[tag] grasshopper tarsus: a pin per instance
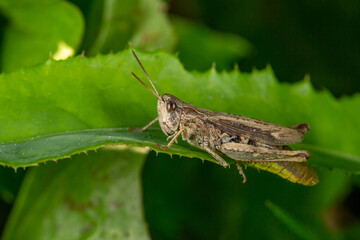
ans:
(132, 129)
(161, 147)
(241, 171)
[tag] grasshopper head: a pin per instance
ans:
(169, 110)
(169, 107)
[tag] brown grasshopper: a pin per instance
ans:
(253, 142)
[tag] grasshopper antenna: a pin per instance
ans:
(157, 95)
(156, 92)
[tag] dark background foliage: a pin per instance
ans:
(296, 37)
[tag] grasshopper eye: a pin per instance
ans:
(171, 106)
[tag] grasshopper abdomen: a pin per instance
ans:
(296, 172)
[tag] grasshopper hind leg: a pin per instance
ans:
(239, 167)
(221, 161)
(302, 127)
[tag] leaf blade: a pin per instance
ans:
(99, 92)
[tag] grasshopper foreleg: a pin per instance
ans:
(172, 140)
(144, 128)
(171, 136)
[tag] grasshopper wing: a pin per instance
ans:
(260, 131)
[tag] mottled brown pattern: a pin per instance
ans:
(257, 143)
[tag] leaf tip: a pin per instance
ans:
(213, 67)
(236, 67)
(268, 67)
(307, 78)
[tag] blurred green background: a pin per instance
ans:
(296, 37)
(188, 199)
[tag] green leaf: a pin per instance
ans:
(38, 29)
(81, 93)
(199, 47)
(90, 197)
(47, 147)
(112, 25)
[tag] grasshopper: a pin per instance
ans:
(260, 144)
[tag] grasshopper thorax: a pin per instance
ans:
(170, 109)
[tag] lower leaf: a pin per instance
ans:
(96, 196)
